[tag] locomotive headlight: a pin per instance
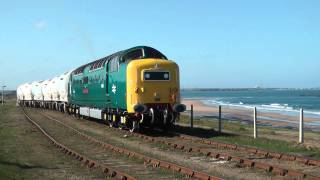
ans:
(147, 75)
(166, 76)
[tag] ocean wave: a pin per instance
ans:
(278, 106)
(273, 107)
(194, 98)
(313, 112)
(226, 103)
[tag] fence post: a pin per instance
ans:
(219, 119)
(191, 117)
(301, 133)
(255, 133)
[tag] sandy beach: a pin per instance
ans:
(246, 115)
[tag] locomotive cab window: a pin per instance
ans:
(135, 54)
(85, 80)
(152, 53)
(156, 76)
(114, 64)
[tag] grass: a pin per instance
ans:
(26, 154)
(10, 166)
(21, 156)
(240, 134)
(270, 145)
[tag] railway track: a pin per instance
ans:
(110, 172)
(247, 162)
(274, 155)
(259, 156)
(103, 154)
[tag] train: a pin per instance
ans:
(133, 88)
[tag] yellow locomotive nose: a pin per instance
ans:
(152, 81)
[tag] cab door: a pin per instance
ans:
(112, 79)
(108, 99)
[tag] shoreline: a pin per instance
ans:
(245, 115)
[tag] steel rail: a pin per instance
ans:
(243, 161)
(282, 156)
(147, 160)
(110, 172)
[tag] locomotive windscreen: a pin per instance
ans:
(143, 53)
(158, 76)
(153, 53)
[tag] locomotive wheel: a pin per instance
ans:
(152, 115)
(135, 126)
(168, 120)
(109, 120)
(115, 120)
(165, 117)
(168, 117)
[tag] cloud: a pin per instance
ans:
(40, 24)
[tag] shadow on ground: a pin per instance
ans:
(172, 132)
(177, 129)
(200, 132)
(23, 166)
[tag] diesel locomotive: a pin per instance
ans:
(133, 88)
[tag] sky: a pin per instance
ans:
(217, 44)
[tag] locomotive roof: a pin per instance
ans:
(100, 62)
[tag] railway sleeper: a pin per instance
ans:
(86, 161)
(245, 162)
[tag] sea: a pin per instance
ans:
(283, 101)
